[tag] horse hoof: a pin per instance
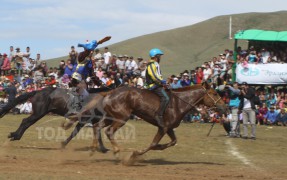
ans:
(130, 159)
(102, 150)
(12, 139)
(63, 145)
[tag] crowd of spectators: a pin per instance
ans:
(28, 74)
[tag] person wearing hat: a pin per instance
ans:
(175, 83)
(185, 81)
(155, 83)
(247, 107)
(120, 63)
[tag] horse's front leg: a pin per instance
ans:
(160, 133)
(173, 141)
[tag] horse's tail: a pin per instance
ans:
(20, 99)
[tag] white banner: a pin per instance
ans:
(262, 73)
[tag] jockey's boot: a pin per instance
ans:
(159, 120)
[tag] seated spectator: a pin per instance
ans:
(50, 81)
(270, 117)
(175, 84)
(38, 75)
(26, 108)
(196, 117)
(282, 117)
(185, 81)
(262, 111)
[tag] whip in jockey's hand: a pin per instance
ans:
(90, 46)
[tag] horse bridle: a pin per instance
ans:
(194, 104)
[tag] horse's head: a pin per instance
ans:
(213, 99)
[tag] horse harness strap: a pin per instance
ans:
(194, 104)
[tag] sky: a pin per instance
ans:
(51, 27)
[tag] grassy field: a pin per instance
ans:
(37, 154)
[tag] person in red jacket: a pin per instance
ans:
(50, 81)
(6, 66)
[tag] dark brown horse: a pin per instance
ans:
(121, 102)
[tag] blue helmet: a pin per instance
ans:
(154, 52)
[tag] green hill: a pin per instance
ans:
(190, 46)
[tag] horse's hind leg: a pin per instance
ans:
(26, 123)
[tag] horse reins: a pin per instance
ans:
(194, 104)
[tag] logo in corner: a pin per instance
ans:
(250, 71)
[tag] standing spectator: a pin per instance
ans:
(265, 55)
(207, 73)
(62, 67)
(38, 59)
(199, 75)
(127, 64)
(6, 66)
(234, 104)
(26, 59)
(223, 64)
(73, 54)
(247, 107)
(107, 56)
(12, 56)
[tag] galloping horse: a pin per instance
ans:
(121, 102)
(53, 100)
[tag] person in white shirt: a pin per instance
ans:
(120, 62)
(26, 108)
(107, 56)
(98, 55)
(133, 65)
(265, 55)
(26, 59)
(223, 64)
(207, 73)
(127, 63)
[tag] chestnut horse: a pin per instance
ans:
(120, 103)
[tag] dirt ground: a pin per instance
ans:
(37, 154)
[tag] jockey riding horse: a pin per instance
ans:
(83, 70)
